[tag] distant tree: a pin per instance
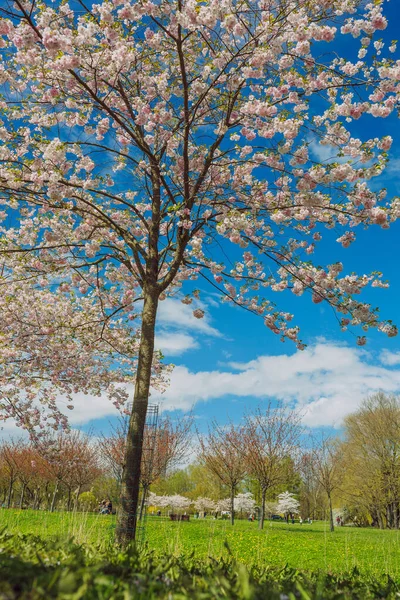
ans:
(59, 453)
(311, 492)
(164, 447)
(9, 466)
(271, 437)
(86, 467)
(222, 452)
(176, 502)
(372, 454)
(328, 466)
(224, 505)
(244, 502)
(204, 504)
(204, 482)
(28, 465)
(287, 504)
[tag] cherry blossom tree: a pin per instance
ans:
(244, 502)
(176, 502)
(287, 504)
(204, 504)
(225, 504)
(54, 346)
(136, 134)
(153, 499)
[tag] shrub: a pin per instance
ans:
(88, 501)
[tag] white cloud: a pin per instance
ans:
(326, 153)
(175, 343)
(87, 407)
(390, 358)
(326, 381)
(393, 168)
(178, 315)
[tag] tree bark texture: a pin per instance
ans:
(127, 514)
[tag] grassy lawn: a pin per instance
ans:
(305, 547)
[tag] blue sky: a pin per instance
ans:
(229, 361)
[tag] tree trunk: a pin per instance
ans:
(21, 500)
(35, 498)
(53, 500)
(127, 514)
(78, 493)
(262, 513)
(388, 516)
(143, 502)
(331, 525)
(233, 505)
(395, 515)
(10, 491)
(69, 500)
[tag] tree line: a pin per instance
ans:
(268, 452)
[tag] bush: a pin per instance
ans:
(33, 569)
(88, 501)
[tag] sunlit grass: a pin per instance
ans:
(306, 547)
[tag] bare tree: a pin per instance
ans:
(271, 438)
(9, 464)
(112, 449)
(163, 448)
(59, 453)
(328, 466)
(84, 462)
(222, 452)
(25, 459)
(310, 488)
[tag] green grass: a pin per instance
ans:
(34, 568)
(307, 547)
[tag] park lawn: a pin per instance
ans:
(305, 547)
